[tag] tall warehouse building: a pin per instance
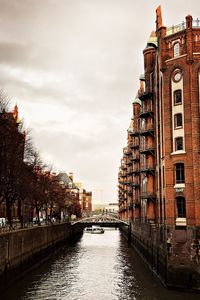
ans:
(159, 175)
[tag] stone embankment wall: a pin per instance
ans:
(23, 249)
(168, 269)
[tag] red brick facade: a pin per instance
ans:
(159, 176)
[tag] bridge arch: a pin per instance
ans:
(104, 220)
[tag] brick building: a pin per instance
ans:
(72, 194)
(12, 142)
(159, 175)
(85, 199)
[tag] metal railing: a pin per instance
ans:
(146, 110)
(134, 144)
(176, 28)
(147, 166)
(17, 225)
(147, 147)
(196, 23)
(147, 128)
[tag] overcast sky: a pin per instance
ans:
(72, 66)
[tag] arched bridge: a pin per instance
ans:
(103, 220)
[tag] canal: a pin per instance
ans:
(100, 267)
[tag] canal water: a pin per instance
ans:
(96, 267)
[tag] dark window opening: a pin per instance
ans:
(180, 178)
(177, 97)
(179, 143)
(178, 120)
(181, 209)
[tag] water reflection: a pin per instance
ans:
(100, 267)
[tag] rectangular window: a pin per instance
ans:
(180, 178)
(178, 121)
(179, 143)
(177, 97)
(181, 210)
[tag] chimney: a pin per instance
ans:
(158, 17)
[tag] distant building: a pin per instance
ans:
(85, 199)
(112, 208)
(71, 192)
(98, 207)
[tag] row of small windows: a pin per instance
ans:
(180, 201)
(178, 120)
(179, 179)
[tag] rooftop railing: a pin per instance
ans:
(196, 23)
(176, 28)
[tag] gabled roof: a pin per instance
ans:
(64, 179)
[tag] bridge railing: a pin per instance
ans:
(99, 220)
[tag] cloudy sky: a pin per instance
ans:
(72, 66)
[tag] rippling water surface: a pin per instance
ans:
(97, 267)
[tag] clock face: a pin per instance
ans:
(177, 76)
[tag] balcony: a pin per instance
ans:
(130, 193)
(146, 95)
(128, 162)
(127, 152)
(147, 130)
(120, 182)
(134, 145)
(148, 168)
(133, 132)
(135, 185)
(135, 158)
(131, 206)
(130, 171)
(123, 175)
(147, 148)
(146, 112)
(126, 182)
(136, 170)
(130, 181)
(136, 202)
(123, 167)
(149, 196)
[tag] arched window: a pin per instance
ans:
(179, 173)
(181, 209)
(176, 49)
